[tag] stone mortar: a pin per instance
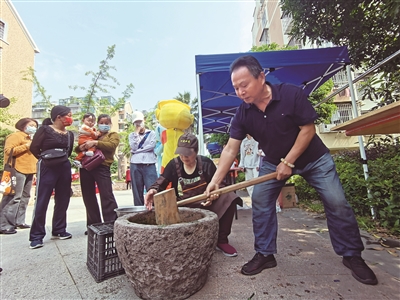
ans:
(167, 262)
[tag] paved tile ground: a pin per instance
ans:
(307, 266)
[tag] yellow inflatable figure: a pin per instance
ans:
(175, 116)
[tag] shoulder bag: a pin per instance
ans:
(56, 156)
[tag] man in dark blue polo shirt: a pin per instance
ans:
(281, 119)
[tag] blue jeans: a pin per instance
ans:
(142, 175)
(322, 175)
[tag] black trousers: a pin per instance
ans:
(102, 176)
(59, 179)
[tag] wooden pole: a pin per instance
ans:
(229, 188)
(166, 210)
(166, 206)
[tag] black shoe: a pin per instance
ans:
(61, 236)
(360, 270)
(258, 263)
(8, 231)
(36, 244)
(23, 226)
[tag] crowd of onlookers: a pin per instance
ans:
(45, 151)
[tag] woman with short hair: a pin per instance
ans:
(13, 207)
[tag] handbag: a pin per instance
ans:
(8, 178)
(56, 156)
(91, 162)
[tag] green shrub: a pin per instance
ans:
(383, 156)
(3, 134)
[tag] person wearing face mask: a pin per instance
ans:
(13, 207)
(49, 177)
(107, 143)
(143, 159)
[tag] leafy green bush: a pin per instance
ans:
(3, 134)
(304, 191)
(383, 183)
(114, 167)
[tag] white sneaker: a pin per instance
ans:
(89, 153)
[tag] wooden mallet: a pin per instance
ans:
(166, 206)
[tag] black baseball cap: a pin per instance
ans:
(187, 144)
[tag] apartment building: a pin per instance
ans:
(17, 53)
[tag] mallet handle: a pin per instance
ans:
(229, 188)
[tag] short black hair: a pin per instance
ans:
(87, 115)
(248, 61)
(102, 116)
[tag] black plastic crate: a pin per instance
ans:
(102, 256)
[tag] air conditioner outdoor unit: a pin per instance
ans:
(325, 128)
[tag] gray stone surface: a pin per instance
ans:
(166, 262)
(307, 266)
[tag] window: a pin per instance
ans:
(340, 78)
(343, 114)
(2, 30)
(294, 42)
(264, 39)
(264, 19)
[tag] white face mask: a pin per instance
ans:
(30, 129)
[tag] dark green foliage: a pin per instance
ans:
(220, 138)
(3, 134)
(303, 190)
(114, 167)
(370, 28)
(241, 177)
(384, 182)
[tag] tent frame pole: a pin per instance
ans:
(360, 139)
(200, 121)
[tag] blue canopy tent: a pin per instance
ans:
(214, 148)
(217, 99)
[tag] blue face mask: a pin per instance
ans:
(30, 129)
(104, 128)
